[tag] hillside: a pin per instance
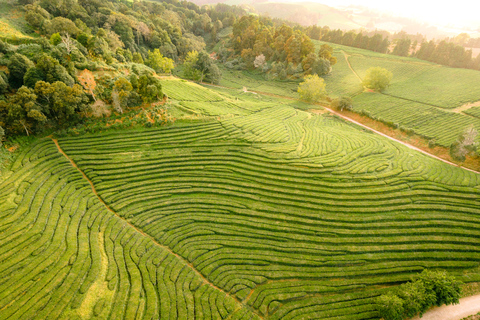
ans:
(127, 192)
(434, 101)
(258, 211)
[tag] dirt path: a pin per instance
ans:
(360, 124)
(468, 306)
(205, 280)
(399, 141)
(466, 107)
(350, 66)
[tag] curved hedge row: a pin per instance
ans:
(297, 216)
(63, 255)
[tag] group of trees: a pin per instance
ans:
(377, 42)
(448, 54)
(430, 288)
(200, 67)
(89, 33)
(281, 51)
(464, 145)
(29, 110)
(173, 27)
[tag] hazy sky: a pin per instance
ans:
(464, 13)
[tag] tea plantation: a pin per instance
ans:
(267, 213)
(422, 96)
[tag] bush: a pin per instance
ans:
(377, 78)
(342, 103)
(312, 89)
(428, 289)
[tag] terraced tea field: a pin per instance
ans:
(422, 95)
(274, 213)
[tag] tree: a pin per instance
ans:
(402, 47)
(326, 52)
(416, 297)
(426, 290)
(259, 61)
(446, 288)
(60, 101)
(321, 67)
(200, 67)
(2, 135)
(68, 42)
(312, 89)
(390, 306)
(149, 88)
(55, 39)
(377, 79)
(342, 103)
(3, 82)
(32, 76)
(87, 80)
(61, 24)
(51, 70)
(189, 70)
(137, 58)
(17, 67)
(158, 62)
(123, 88)
(21, 112)
(464, 144)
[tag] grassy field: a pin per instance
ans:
(422, 96)
(12, 23)
(258, 211)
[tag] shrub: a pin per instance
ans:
(342, 103)
(312, 89)
(377, 78)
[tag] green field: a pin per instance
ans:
(259, 211)
(422, 96)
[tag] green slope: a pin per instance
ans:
(264, 211)
(422, 96)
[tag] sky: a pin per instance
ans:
(459, 13)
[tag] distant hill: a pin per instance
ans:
(345, 18)
(308, 13)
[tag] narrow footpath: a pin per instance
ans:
(468, 306)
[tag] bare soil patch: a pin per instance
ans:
(466, 107)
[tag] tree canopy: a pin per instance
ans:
(312, 89)
(430, 288)
(377, 79)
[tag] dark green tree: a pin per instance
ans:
(20, 113)
(390, 306)
(3, 82)
(51, 70)
(342, 103)
(446, 288)
(17, 67)
(149, 88)
(61, 102)
(417, 299)
(2, 135)
(32, 76)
